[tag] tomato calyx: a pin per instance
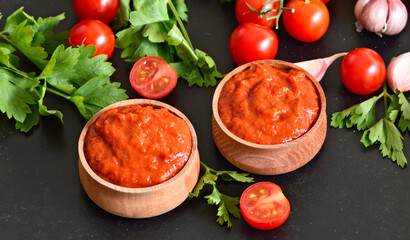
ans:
(267, 8)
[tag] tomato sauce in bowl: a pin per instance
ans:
(137, 146)
(267, 105)
(278, 114)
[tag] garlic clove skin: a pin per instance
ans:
(374, 16)
(381, 16)
(398, 73)
(397, 17)
(318, 67)
(358, 9)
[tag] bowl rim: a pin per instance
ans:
(283, 65)
(150, 189)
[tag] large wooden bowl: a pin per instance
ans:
(140, 202)
(269, 159)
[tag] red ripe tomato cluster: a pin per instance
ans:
(254, 39)
(93, 28)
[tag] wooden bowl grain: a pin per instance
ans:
(269, 159)
(140, 202)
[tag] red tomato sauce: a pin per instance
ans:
(137, 146)
(267, 105)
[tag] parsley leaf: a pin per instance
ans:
(226, 205)
(157, 29)
(384, 132)
(7, 58)
(95, 94)
(15, 99)
(360, 115)
(404, 122)
(35, 39)
(124, 10)
(72, 73)
(390, 139)
(71, 68)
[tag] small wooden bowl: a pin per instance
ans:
(269, 159)
(140, 202)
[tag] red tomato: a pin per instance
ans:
(103, 10)
(264, 206)
(152, 77)
(93, 32)
(363, 71)
(325, 1)
(250, 42)
(265, 10)
(308, 22)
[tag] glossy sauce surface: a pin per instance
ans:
(267, 105)
(137, 146)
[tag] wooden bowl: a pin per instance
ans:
(269, 159)
(140, 202)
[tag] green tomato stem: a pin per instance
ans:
(280, 11)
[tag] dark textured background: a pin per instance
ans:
(345, 192)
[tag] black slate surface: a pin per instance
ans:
(345, 192)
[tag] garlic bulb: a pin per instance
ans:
(398, 73)
(387, 17)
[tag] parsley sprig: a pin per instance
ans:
(156, 28)
(385, 131)
(71, 73)
(226, 205)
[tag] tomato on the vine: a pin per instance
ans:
(250, 42)
(308, 22)
(152, 77)
(264, 206)
(93, 32)
(363, 71)
(257, 11)
(103, 10)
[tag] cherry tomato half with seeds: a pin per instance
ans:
(103, 10)
(308, 22)
(363, 71)
(152, 77)
(93, 32)
(264, 206)
(250, 42)
(262, 12)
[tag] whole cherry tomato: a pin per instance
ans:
(93, 32)
(308, 22)
(250, 42)
(257, 11)
(363, 71)
(264, 206)
(103, 10)
(152, 77)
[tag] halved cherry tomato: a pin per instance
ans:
(308, 22)
(93, 32)
(103, 10)
(265, 10)
(152, 77)
(264, 206)
(363, 71)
